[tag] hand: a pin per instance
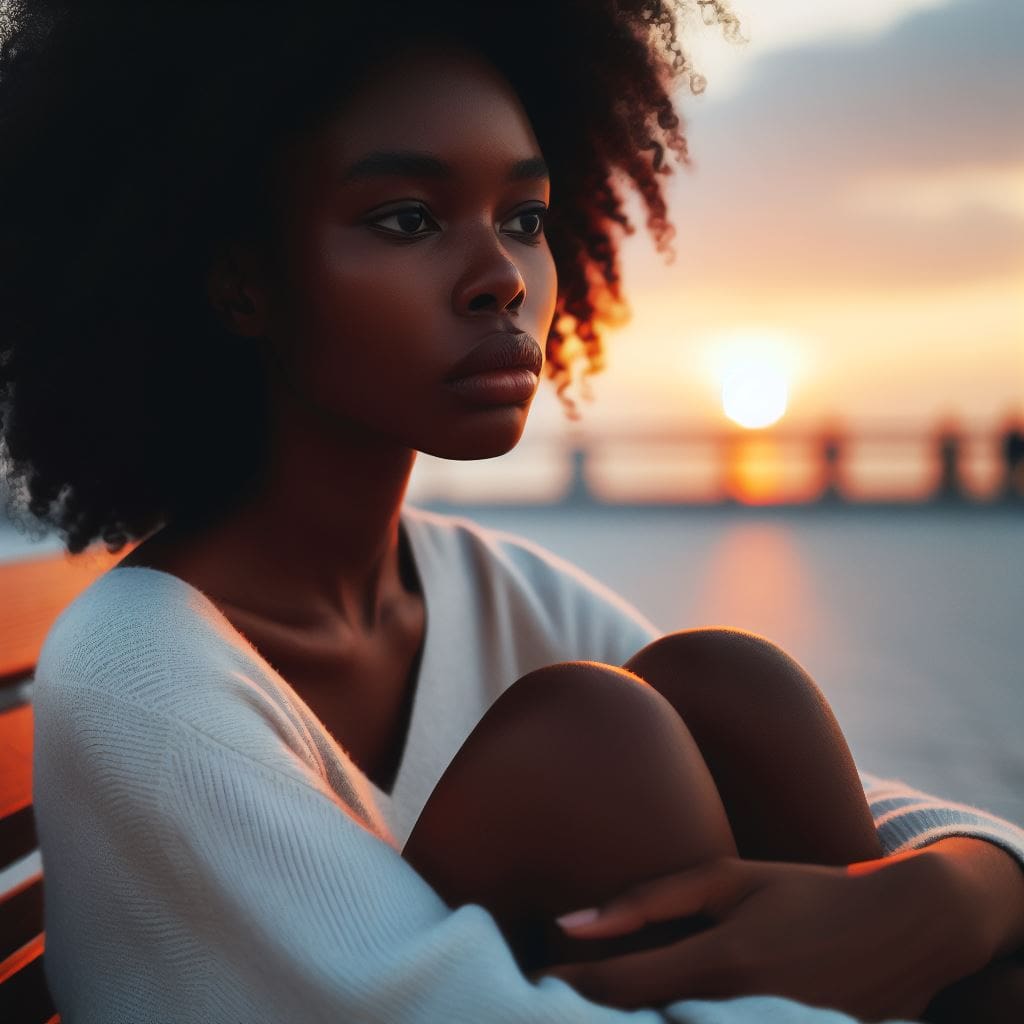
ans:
(870, 940)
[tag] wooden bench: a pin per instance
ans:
(33, 592)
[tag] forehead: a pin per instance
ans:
(431, 96)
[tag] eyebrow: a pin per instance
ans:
(408, 164)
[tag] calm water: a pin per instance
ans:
(909, 621)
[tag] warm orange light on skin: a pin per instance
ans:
(869, 867)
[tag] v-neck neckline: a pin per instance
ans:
(408, 524)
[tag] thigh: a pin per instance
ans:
(579, 781)
(779, 759)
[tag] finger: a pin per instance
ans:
(708, 889)
(703, 966)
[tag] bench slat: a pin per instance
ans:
(17, 836)
(24, 998)
(34, 591)
(16, 727)
(21, 917)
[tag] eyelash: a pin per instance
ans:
(539, 211)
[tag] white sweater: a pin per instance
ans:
(212, 854)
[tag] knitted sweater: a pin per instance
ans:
(212, 853)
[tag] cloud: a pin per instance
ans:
(809, 174)
(783, 24)
(942, 193)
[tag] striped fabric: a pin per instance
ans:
(908, 819)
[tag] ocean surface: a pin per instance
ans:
(909, 620)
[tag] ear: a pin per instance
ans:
(236, 287)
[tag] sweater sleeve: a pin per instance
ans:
(188, 881)
(908, 819)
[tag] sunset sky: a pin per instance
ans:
(854, 218)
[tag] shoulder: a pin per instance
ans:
(152, 664)
(111, 623)
(144, 636)
(126, 603)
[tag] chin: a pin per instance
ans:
(486, 436)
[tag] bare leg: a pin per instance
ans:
(562, 797)
(778, 757)
(579, 781)
(786, 777)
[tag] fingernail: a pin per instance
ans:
(578, 917)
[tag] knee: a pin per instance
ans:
(579, 780)
(571, 728)
(715, 651)
(779, 758)
(739, 669)
(580, 706)
(596, 736)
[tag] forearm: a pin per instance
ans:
(994, 883)
(982, 856)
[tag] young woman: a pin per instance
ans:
(309, 753)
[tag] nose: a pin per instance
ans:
(492, 282)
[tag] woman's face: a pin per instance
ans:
(387, 281)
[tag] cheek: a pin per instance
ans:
(359, 308)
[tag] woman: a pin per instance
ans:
(308, 753)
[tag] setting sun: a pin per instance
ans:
(754, 392)
(753, 370)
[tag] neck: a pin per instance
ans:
(320, 541)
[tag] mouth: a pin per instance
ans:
(503, 369)
(500, 351)
(497, 387)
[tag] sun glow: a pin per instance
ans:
(754, 394)
(753, 373)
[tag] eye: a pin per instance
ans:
(410, 217)
(535, 217)
(404, 216)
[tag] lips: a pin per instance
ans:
(501, 350)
